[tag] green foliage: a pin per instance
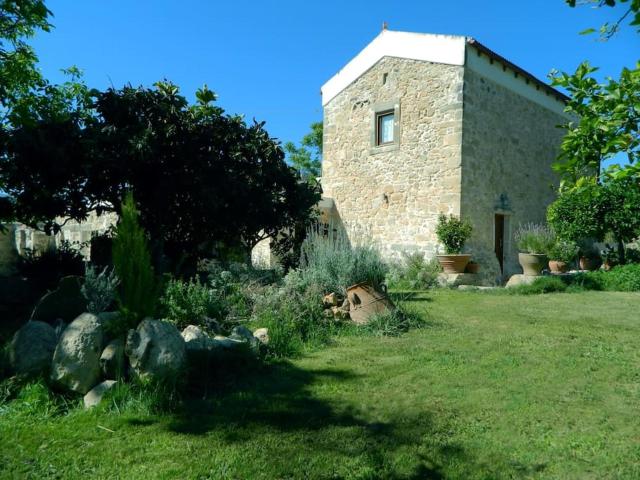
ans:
(393, 323)
(453, 232)
(19, 21)
(545, 284)
(595, 210)
(139, 288)
(49, 266)
(294, 316)
(189, 303)
(331, 263)
(608, 123)
(99, 289)
(564, 251)
(307, 158)
(623, 278)
(577, 213)
(607, 30)
(534, 238)
(414, 272)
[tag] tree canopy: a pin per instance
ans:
(19, 21)
(307, 158)
(199, 175)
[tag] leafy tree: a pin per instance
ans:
(607, 30)
(606, 123)
(592, 210)
(19, 21)
(200, 176)
(307, 158)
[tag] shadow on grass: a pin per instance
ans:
(278, 399)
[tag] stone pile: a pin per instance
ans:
(336, 307)
(82, 357)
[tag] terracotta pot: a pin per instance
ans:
(590, 264)
(472, 267)
(556, 266)
(532, 263)
(454, 263)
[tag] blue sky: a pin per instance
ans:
(268, 59)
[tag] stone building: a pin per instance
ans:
(419, 124)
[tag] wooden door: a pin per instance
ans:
(499, 240)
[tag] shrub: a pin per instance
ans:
(414, 272)
(50, 266)
(632, 255)
(546, 284)
(294, 317)
(623, 278)
(189, 303)
(453, 232)
(392, 323)
(99, 289)
(139, 288)
(563, 251)
(329, 262)
(534, 238)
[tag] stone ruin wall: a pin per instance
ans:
(19, 239)
(393, 194)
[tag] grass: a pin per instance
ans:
(495, 386)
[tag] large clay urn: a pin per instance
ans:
(454, 263)
(532, 263)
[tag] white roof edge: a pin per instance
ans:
(447, 49)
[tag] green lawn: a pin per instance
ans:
(496, 386)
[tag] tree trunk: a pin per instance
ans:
(621, 256)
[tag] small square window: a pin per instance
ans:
(385, 128)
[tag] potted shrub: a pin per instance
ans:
(453, 232)
(610, 257)
(534, 242)
(561, 254)
(589, 256)
(472, 267)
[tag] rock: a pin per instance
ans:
(220, 344)
(339, 313)
(112, 359)
(262, 334)
(331, 300)
(194, 337)
(243, 334)
(76, 360)
(520, 279)
(94, 396)
(32, 347)
(156, 351)
(65, 302)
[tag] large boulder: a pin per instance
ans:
(76, 360)
(32, 347)
(112, 359)
(65, 302)
(156, 351)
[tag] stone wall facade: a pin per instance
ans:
(508, 146)
(393, 194)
